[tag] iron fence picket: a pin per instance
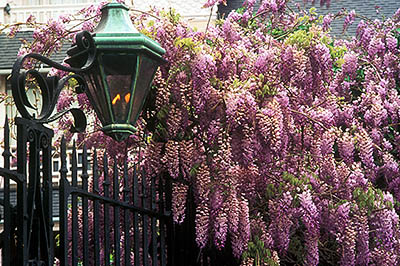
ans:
(6, 250)
(106, 189)
(33, 170)
(63, 208)
(127, 238)
(161, 208)
(74, 207)
(154, 240)
(145, 244)
(22, 210)
(85, 212)
(47, 224)
(96, 211)
(136, 218)
(169, 223)
(117, 234)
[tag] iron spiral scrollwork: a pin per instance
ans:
(51, 86)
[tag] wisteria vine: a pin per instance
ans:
(289, 139)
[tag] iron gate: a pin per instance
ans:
(98, 224)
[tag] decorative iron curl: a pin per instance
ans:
(84, 51)
(44, 141)
(31, 135)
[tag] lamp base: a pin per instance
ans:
(119, 132)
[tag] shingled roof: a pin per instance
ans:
(366, 8)
(9, 48)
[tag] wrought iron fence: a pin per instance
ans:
(115, 216)
(127, 228)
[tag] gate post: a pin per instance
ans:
(34, 196)
(6, 250)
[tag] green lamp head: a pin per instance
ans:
(120, 79)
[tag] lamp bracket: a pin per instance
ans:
(50, 87)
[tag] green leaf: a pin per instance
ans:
(194, 169)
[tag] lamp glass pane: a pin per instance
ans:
(147, 69)
(119, 71)
(97, 96)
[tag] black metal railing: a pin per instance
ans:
(117, 215)
(129, 214)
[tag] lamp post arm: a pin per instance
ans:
(50, 87)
